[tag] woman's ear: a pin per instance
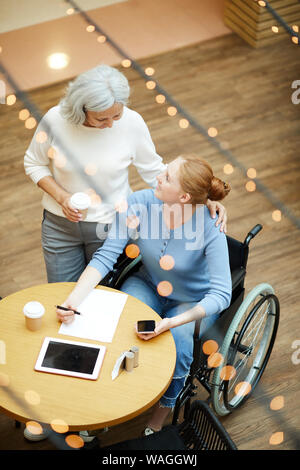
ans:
(185, 197)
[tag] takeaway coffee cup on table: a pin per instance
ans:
(81, 202)
(33, 312)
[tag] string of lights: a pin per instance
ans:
(187, 120)
(291, 30)
(174, 107)
(209, 134)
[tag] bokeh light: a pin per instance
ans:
(276, 438)
(251, 173)
(172, 111)
(150, 85)
(276, 215)
(164, 288)
(11, 99)
(160, 99)
(90, 28)
(126, 63)
(90, 169)
(167, 262)
(95, 199)
(30, 123)
(4, 380)
(59, 426)
(228, 169)
(215, 360)
(212, 132)
(41, 137)
(24, 114)
(210, 346)
(60, 160)
(250, 186)
(149, 71)
(101, 38)
(74, 441)
(34, 427)
(183, 123)
(277, 403)
(242, 389)
(132, 250)
(227, 372)
(51, 152)
(32, 397)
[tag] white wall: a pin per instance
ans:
(15, 14)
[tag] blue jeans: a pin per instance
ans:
(139, 285)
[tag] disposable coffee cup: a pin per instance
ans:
(81, 202)
(33, 312)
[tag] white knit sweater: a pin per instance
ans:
(92, 160)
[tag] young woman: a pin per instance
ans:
(185, 274)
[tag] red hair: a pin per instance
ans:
(197, 179)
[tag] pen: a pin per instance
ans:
(67, 309)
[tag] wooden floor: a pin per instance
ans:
(246, 95)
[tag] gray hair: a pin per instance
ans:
(95, 90)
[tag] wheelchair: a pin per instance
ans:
(230, 358)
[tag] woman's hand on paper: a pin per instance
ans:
(160, 327)
(63, 316)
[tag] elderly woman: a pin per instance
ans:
(86, 144)
(172, 222)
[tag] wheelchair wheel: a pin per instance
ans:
(246, 349)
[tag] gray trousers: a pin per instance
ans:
(69, 246)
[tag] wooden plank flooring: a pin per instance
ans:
(246, 94)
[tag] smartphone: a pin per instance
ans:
(146, 326)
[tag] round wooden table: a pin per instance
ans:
(26, 394)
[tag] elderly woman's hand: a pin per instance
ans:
(215, 207)
(160, 327)
(71, 214)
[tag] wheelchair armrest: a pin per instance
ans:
(253, 232)
(122, 267)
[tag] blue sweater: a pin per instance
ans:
(198, 249)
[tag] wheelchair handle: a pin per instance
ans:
(253, 232)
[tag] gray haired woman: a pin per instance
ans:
(86, 144)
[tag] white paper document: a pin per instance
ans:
(99, 316)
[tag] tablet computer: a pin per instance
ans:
(58, 356)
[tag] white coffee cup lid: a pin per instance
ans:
(33, 309)
(80, 201)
